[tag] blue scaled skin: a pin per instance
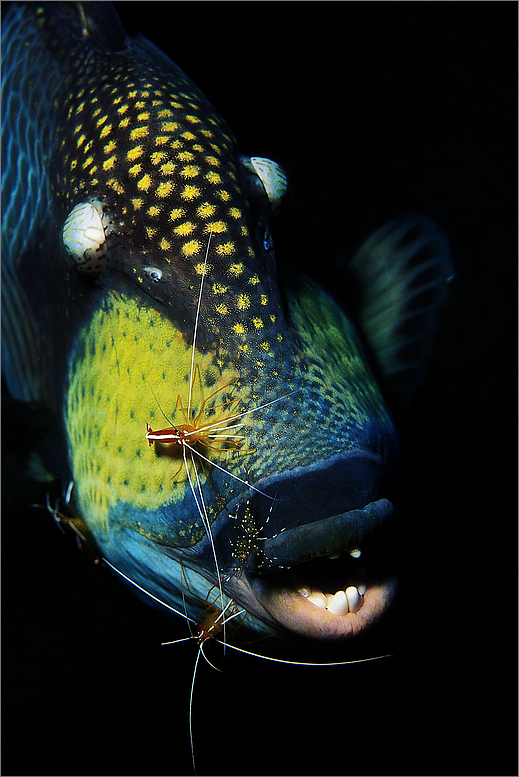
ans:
(215, 413)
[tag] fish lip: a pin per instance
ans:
(275, 595)
(295, 614)
(285, 551)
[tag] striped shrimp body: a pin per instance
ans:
(213, 429)
(213, 628)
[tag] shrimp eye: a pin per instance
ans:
(153, 273)
(83, 239)
(274, 180)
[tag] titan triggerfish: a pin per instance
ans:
(217, 427)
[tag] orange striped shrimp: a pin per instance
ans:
(197, 436)
(209, 630)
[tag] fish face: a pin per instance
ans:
(217, 416)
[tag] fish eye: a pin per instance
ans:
(274, 180)
(153, 273)
(267, 240)
(83, 237)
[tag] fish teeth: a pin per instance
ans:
(339, 603)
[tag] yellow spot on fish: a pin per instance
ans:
(216, 226)
(115, 185)
(135, 170)
(184, 229)
(102, 120)
(213, 161)
(80, 141)
(163, 189)
(190, 171)
(139, 132)
(109, 164)
(235, 213)
(206, 210)
(105, 131)
(219, 288)
(167, 168)
(145, 183)
(134, 153)
(109, 147)
(225, 249)
(190, 192)
(264, 300)
(193, 119)
(258, 323)
(137, 203)
(265, 346)
(143, 116)
(176, 213)
(236, 269)
(153, 211)
(253, 280)
(190, 248)
(151, 231)
(243, 302)
(165, 113)
(169, 126)
(122, 109)
(188, 136)
(158, 156)
(222, 309)
(213, 177)
(124, 123)
(161, 140)
(164, 244)
(225, 196)
(186, 156)
(239, 329)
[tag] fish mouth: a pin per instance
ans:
(336, 595)
(330, 597)
(333, 610)
(328, 579)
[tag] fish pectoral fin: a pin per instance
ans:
(402, 272)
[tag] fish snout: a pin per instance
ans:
(320, 567)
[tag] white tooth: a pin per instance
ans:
(354, 599)
(355, 553)
(339, 604)
(318, 599)
(304, 591)
(334, 555)
(329, 598)
(362, 589)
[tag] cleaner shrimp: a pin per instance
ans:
(209, 630)
(197, 434)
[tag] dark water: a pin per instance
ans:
(375, 110)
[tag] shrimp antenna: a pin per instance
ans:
(195, 331)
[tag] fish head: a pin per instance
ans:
(223, 429)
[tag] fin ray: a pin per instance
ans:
(402, 271)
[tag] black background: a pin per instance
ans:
(374, 110)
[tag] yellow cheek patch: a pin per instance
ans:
(130, 359)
